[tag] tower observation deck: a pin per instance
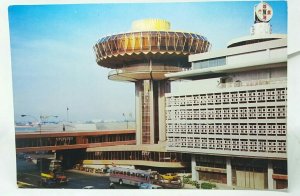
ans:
(144, 55)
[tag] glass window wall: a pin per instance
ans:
(153, 40)
(209, 63)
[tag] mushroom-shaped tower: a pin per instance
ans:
(144, 56)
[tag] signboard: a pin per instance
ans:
(263, 12)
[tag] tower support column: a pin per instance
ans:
(138, 112)
(164, 87)
(152, 111)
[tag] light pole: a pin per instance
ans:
(39, 124)
(38, 121)
(126, 118)
(40, 129)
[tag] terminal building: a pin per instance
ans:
(234, 126)
(226, 119)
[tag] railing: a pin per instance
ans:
(143, 68)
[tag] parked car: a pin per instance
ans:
(48, 183)
(150, 186)
(88, 187)
(21, 155)
(28, 158)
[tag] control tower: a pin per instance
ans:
(143, 56)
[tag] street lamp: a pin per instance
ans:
(38, 121)
(39, 124)
(126, 118)
(40, 128)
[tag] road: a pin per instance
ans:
(29, 173)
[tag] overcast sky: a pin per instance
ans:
(54, 65)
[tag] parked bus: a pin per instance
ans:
(133, 177)
(137, 177)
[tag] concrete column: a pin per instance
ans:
(163, 88)
(151, 97)
(138, 112)
(228, 171)
(195, 174)
(270, 173)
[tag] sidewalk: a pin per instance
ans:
(219, 187)
(188, 186)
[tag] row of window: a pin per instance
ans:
(263, 129)
(250, 145)
(262, 112)
(209, 63)
(251, 96)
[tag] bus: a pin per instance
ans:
(133, 177)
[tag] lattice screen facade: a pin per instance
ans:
(248, 121)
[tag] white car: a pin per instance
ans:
(88, 187)
(150, 186)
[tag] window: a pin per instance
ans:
(209, 63)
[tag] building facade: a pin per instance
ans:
(225, 121)
(235, 125)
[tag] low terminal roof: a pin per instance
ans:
(20, 135)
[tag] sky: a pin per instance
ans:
(54, 66)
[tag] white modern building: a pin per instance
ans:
(229, 110)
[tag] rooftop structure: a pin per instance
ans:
(261, 30)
